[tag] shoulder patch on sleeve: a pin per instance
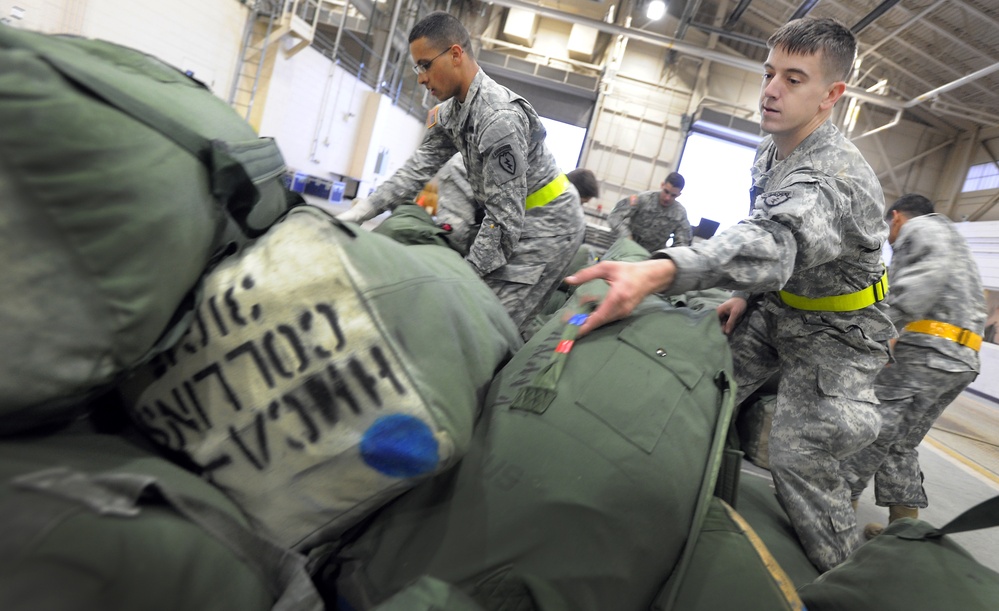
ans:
(775, 198)
(506, 160)
(632, 200)
(432, 116)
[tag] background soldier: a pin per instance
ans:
(532, 224)
(811, 254)
(650, 218)
(938, 304)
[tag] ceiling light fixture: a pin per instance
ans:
(655, 10)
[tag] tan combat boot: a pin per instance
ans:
(895, 512)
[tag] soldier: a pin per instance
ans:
(531, 222)
(650, 218)
(586, 183)
(938, 304)
(808, 268)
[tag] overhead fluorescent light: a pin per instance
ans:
(655, 10)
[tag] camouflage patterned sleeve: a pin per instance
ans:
(793, 228)
(681, 232)
(620, 218)
(503, 145)
(920, 266)
(403, 186)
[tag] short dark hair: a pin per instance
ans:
(585, 182)
(443, 30)
(676, 180)
(910, 204)
(809, 35)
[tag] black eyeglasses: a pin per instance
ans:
(422, 67)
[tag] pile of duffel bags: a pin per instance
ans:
(317, 416)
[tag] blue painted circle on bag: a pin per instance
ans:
(400, 446)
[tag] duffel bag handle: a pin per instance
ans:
(231, 173)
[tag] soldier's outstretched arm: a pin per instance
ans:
(629, 284)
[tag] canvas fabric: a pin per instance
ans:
(122, 179)
(328, 370)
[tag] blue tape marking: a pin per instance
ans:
(578, 319)
(400, 445)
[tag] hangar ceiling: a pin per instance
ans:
(937, 58)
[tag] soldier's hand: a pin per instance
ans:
(360, 211)
(730, 312)
(629, 284)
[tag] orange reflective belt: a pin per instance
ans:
(947, 331)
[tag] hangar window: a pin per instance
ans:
(982, 176)
(715, 163)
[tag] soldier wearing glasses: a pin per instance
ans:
(650, 218)
(531, 219)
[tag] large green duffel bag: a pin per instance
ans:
(912, 565)
(93, 522)
(121, 180)
(329, 369)
(731, 569)
(589, 466)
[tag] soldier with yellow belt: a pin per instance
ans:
(938, 305)
(808, 263)
(532, 222)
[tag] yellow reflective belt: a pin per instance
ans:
(946, 331)
(547, 193)
(840, 303)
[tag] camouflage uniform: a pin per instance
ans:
(454, 205)
(933, 276)
(521, 254)
(643, 219)
(816, 230)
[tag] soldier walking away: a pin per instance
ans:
(810, 279)
(650, 218)
(532, 224)
(937, 303)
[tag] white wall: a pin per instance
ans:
(199, 35)
(312, 107)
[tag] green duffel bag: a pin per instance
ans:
(93, 522)
(590, 464)
(411, 224)
(912, 565)
(121, 179)
(731, 569)
(328, 370)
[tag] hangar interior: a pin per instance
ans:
(331, 82)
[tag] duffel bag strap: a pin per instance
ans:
(982, 515)
(122, 494)
(539, 394)
(233, 167)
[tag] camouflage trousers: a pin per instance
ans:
(825, 411)
(529, 278)
(914, 391)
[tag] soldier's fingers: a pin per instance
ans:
(588, 273)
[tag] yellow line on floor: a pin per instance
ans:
(961, 458)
